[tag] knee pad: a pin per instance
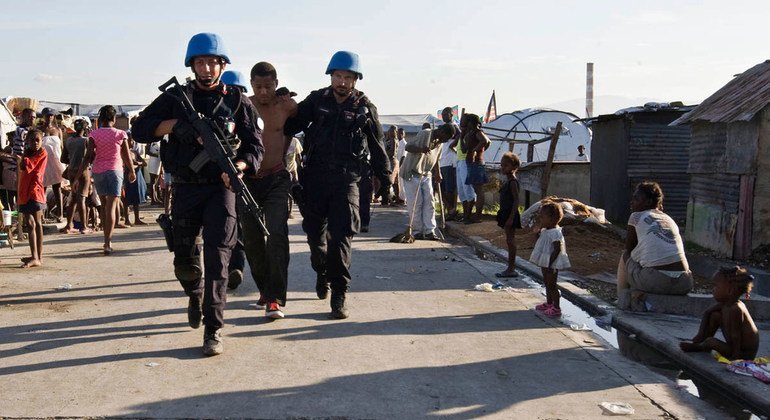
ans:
(188, 270)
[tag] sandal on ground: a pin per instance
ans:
(552, 312)
(107, 250)
(543, 306)
(506, 274)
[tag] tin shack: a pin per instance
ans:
(637, 144)
(729, 166)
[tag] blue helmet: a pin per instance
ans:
(345, 60)
(205, 44)
(235, 78)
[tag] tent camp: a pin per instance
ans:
(411, 123)
(531, 125)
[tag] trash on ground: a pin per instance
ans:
(498, 285)
(152, 364)
(383, 277)
(484, 287)
(580, 327)
(749, 368)
(502, 372)
(596, 255)
(64, 287)
(618, 408)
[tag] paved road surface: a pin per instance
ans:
(419, 343)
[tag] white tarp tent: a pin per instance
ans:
(411, 123)
(7, 123)
(512, 126)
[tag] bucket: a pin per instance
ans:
(6, 217)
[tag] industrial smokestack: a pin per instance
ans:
(589, 90)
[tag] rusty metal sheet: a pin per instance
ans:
(739, 100)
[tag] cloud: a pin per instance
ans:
(45, 78)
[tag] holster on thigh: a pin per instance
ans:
(187, 250)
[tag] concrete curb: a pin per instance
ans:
(748, 391)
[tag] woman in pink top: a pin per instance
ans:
(108, 151)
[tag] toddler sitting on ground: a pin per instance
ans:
(730, 315)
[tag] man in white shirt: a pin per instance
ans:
(422, 154)
(400, 152)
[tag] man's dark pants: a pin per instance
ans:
(269, 260)
(331, 218)
(210, 207)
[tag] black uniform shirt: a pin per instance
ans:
(179, 155)
(332, 131)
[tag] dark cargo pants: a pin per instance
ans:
(210, 207)
(269, 260)
(331, 218)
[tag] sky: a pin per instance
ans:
(417, 56)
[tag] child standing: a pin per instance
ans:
(550, 255)
(136, 191)
(730, 315)
(508, 216)
(32, 193)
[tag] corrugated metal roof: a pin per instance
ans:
(739, 100)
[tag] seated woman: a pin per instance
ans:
(654, 260)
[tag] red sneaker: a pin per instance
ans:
(273, 310)
(543, 306)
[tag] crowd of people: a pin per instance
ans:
(343, 164)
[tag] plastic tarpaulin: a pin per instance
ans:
(538, 122)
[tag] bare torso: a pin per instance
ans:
(274, 116)
(737, 313)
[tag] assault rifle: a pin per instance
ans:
(215, 149)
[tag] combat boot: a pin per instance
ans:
(234, 279)
(322, 287)
(195, 311)
(212, 342)
(339, 311)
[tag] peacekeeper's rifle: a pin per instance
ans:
(215, 149)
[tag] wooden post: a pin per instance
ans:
(549, 162)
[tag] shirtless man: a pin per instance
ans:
(269, 261)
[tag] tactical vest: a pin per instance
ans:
(218, 105)
(338, 133)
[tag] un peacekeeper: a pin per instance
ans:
(341, 127)
(235, 79)
(203, 200)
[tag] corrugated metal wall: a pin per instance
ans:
(609, 181)
(661, 153)
(720, 189)
(715, 178)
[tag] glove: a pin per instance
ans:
(184, 132)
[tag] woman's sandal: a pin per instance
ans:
(543, 306)
(552, 312)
